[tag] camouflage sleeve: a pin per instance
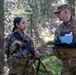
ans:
(13, 46)
(57, 33)
(6, 42)
(5, 47)
(55, 36)
(31, 41)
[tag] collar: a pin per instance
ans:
(70, 22)
(18, 31)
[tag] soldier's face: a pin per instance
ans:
(61, 15)
(22, 25)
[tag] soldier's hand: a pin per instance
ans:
(19, 43)
(37, 54)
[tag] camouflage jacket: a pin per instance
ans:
(63, 52)
(15, 50)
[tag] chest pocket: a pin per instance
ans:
(71, 28)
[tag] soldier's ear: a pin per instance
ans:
(17, 25)
(66, 11)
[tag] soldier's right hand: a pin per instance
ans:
(19, 43)
(37, 54)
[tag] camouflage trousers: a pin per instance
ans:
(21, 67)
(21, 70)
(66, 69)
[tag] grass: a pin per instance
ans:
(51, 62)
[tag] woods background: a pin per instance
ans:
(41, 24)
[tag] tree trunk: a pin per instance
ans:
(72, 4)
(1, 35)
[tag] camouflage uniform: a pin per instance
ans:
(66, 55)
(17, 64)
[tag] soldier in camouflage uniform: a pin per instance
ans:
(66, 55)
(19, 65)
